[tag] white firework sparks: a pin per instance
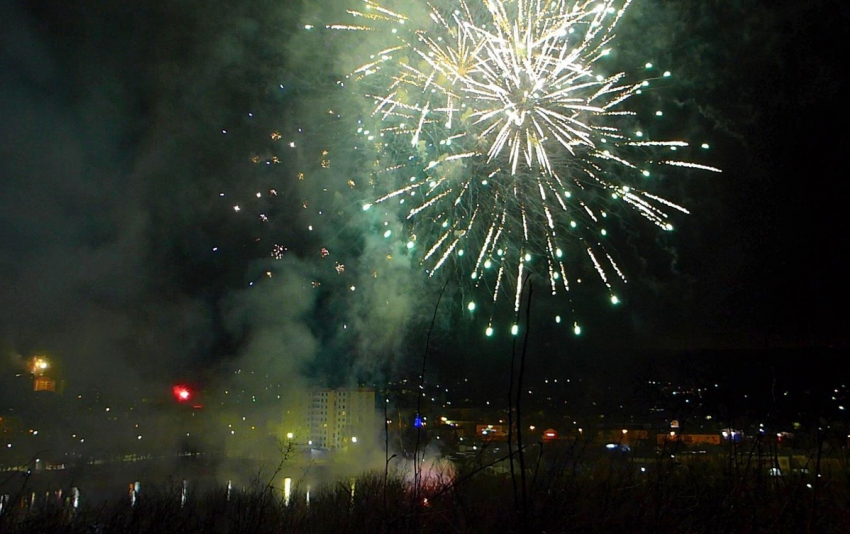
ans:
(511, 141)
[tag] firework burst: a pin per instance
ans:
(504, 139)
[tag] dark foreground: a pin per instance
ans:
(557, 494)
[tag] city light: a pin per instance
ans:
(39, 365)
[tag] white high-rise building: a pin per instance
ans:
(336, 417)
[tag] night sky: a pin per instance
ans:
(122, 124)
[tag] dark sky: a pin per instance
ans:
(121, 125)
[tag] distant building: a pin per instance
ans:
(687, 439)
(623, 436)
(9, 426)
(43, 383)
(492, 432)
(336, 417)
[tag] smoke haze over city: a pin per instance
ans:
(181, 202)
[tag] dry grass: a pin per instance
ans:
(565, 494)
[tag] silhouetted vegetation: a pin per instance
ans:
(569, 490)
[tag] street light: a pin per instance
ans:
(39, 365)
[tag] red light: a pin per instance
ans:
(182, 393)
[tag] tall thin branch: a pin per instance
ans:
(417, 469)
(524, 507)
